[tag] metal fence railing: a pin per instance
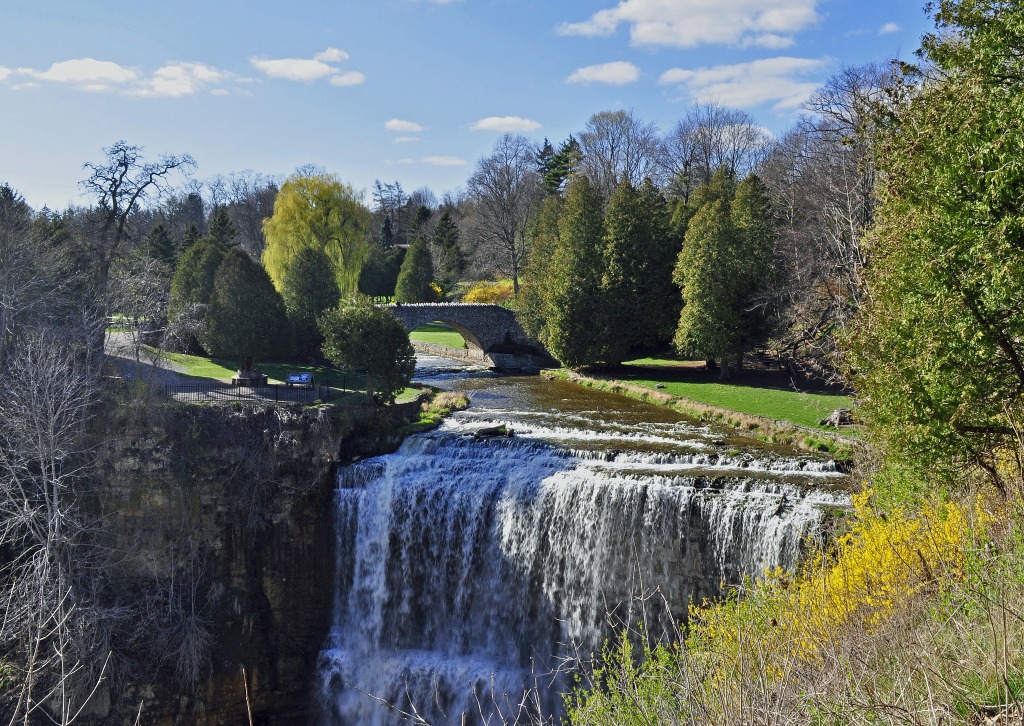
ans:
(213, 391)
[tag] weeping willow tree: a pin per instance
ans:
(317, 210)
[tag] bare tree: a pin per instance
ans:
(248, 197)
(617, 146)
(121, 183)
(822, 178)
(46, 615)
(710, 137)
(504, 191)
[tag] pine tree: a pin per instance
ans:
(190, 237)
(160, 246)
(222, 231)
(246, 318)
(308, 290)
(193, 278)
(532, 303)
(709, 325)
(577, 332)
(637, 281)
(752, 215)
(387, 234)
(416, 275)
(451, 262)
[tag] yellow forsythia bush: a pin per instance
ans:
(882, 562)
(484, 291)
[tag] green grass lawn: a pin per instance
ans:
(754, 396)
(438, 333)
(197, 366)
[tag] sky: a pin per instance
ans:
(415, 91)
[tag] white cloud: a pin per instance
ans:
(406, 161)
(84, 72)
(181, 79)
(506, 124)
(444, 161)
(294, 69)
(306, 70)
(331, 55)
(617, 74)
(350, 78)
(4, 72)
(397, 124)
(689, 23)
(406, 139)
(743, 85)
(88, 74)
(889, 28)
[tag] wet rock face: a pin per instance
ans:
(234, 507)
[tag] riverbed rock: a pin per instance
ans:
(839, 417)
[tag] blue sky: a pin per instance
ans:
(409, 90)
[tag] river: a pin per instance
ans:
(469, 568)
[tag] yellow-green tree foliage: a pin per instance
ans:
(318, 210)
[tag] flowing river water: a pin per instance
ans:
(467, 567)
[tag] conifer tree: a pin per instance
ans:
(451, 263)
(246, 317)
(193, 278)
(308, 290)
(416, 274)
(577, 332)
(532, 303)
(160, 246)
(222, 231)
(190, 237)
(710, 326)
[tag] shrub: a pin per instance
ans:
(494, 293)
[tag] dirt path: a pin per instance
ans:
(120, 351)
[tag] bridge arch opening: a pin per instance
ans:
(445, 332)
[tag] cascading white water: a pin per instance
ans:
(468, 566)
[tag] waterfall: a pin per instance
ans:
(467, 566)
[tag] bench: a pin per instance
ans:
(260, 379)
(299, 379)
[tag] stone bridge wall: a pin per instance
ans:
(491, 329)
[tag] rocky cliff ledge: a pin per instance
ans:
(222, 517)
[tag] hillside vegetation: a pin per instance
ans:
(912, 613)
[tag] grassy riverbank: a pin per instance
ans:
(757, 403)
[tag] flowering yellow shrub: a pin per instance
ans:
(494, 293)
(877, 566)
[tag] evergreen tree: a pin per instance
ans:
(637, 281)
(752, 215)
(416, 274)
(379, 275)
(576, 329)
(709, 325)
(451, 262)
(387, 234)
(190, 237)
(532, 303)
(308, 290)
(360, 335)
(246, 317)
(193, 278)
(160, 246)
(562, 166)
(222, 231)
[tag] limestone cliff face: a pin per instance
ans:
(221, 518)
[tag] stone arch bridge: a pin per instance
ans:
(493, 334)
